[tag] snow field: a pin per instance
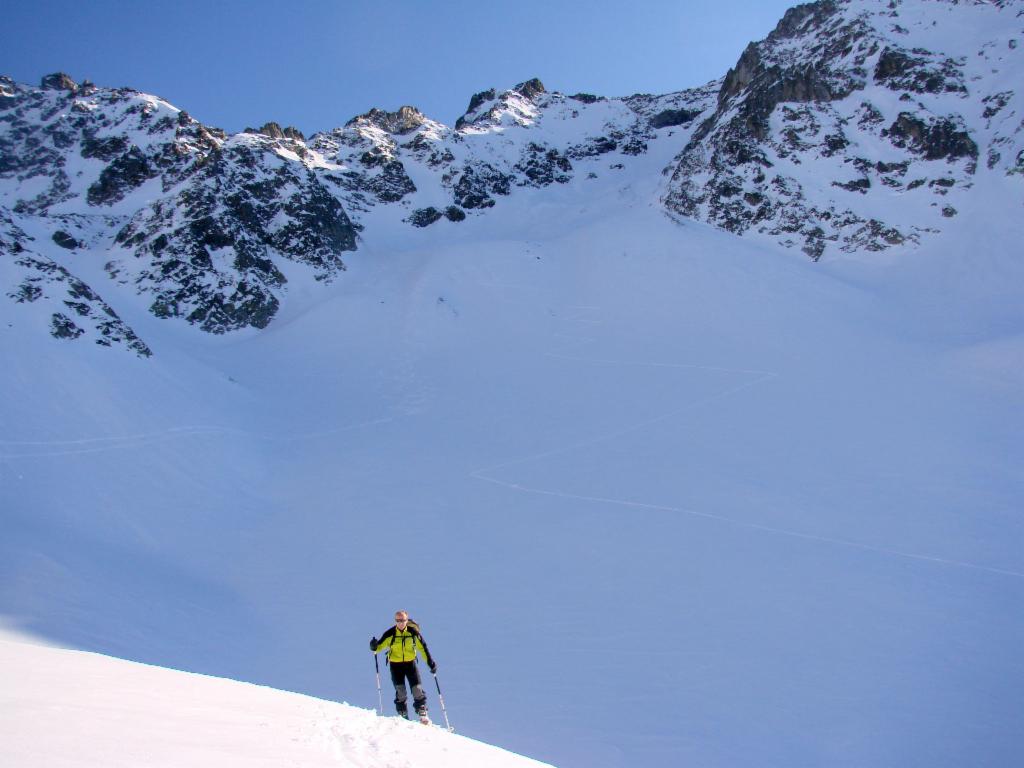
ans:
(64, 708)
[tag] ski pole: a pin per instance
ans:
(444, 711)
(380, 696)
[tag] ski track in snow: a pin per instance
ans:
(486, 474)
(101, 444)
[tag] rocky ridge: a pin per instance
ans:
(846, 106)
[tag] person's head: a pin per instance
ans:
(401, 619)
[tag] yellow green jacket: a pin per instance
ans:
(403, 645)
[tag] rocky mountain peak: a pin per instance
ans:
(800, 19)
(855, 125)
(480, 98)
(59, 81)
(405, 120)
(488, 107)
(274, 131)
(530, 89)
(866, 92)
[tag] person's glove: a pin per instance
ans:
(373, 643)
(433, 667)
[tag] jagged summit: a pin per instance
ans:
(273, 130)
(845, 103)
(489, 108)
(404, 121)
(854, 126)
(59, 81)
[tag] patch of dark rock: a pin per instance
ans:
(870, 115)
(949, 211)
(424, 217)
(375, 157)
(898, 168)
(477, 184)
(478, 100)
(80, 307)
(64, 240)
(126, 173)
(857, 185)
(634, 147)
(921, 74)
(58, 81)
(995, 103)
(392, 184)
(63, 327)
(531, 89)
(207, 232)
(834, 143)
(936, 140)
(593, 148)
(454, 213)
(814, 243)
(543, 166)
(27, 292)
(586, 98)
(104, 149)
(159, 243)
(481, 98)
(672, 117)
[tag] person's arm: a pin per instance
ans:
(384, 643)
(421, 646)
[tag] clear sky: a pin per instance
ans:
(317, 63)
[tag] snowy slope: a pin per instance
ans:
(655, 492)
(68, 708)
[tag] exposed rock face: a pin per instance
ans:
(937, 139)
(70, 308)
(274, 131)
(215, 239)
(820, 93)
(845, 108)
(202, 221)
(404, 121)
(59, 82)
(479, 162)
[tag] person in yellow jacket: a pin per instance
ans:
(402, 642)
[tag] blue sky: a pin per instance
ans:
(317, 63)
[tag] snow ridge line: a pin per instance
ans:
(762, 376)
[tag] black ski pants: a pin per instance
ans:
(400, 672)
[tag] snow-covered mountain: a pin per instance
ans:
(205, 225)
(855, 126)
(656, 490)
(861, 125)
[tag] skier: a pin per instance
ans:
(402, 642)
